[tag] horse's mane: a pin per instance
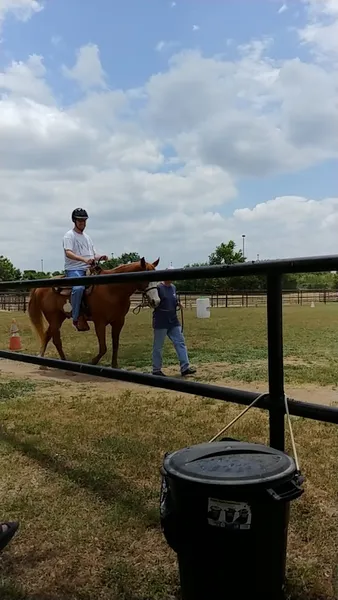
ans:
(134, 266)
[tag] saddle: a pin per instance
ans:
(66, 290)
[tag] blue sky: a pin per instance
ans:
(135, 43)
(127, 32)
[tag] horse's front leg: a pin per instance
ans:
(100, 328)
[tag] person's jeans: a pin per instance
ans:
(77, 292)
(176, 336)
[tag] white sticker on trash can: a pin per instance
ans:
(230, 515)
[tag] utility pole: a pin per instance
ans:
(243, 237)
(42, 265)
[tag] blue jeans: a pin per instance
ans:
(176, 337)
(77, 292)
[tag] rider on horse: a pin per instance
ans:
(79, 254)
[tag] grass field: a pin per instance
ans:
(231, 344)
(80, 457)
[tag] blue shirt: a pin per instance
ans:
(165, 315)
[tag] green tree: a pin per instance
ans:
(7, 270)
(319, 281)
(129, 257)
(125, 258)
(195, 285)
(31, 274)
(225, 254)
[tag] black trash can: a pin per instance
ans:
(224, 510)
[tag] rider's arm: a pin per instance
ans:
(70, 254)
(68, 245)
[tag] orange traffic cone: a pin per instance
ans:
(14, 340)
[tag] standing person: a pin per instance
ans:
(166, 323)
(79, 253)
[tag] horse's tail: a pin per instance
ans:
(35, 313)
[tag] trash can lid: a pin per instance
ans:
(230, 463)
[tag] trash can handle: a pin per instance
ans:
(294, 491)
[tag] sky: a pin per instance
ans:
(177, 125)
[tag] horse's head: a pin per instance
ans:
(150, 289)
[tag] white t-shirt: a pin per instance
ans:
(80, 244)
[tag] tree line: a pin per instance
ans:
(224, 254)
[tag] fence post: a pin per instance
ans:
(275, 360)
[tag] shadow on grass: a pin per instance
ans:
(109, 487)
(11, 591)
(305, 595)
(121, 581)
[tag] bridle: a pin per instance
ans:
(96, 269)
(145, 303)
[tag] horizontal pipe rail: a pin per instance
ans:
(287, 265)
(296, 408)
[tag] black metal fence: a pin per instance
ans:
(13, 301)
(18, 301)
(273, 401)
(252, 298)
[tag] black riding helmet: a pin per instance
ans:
(79, 213)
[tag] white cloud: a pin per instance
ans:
(26, 80)
(282, 9)
(164, 46)
(321, 32)
(87, 71)
(158, 166)
(252, 117)
(22, 9)
(195, 27)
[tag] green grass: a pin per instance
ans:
(235, 338)
(82, 475)
(80, 462)
(14, 388)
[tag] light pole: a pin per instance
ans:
(243, 237)
(42, 265)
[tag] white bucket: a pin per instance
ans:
(203, 308)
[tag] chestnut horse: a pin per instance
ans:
(108, 304)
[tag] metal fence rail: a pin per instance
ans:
(274, 401)
(18, 300)
(298, 409)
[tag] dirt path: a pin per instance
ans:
(307, 393)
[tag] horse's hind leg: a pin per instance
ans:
(48, 335)
(55, 327)
(100, 329)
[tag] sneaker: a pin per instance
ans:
(159, 373)
(188, 371)
(7, 531)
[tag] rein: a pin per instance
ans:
(144, 302)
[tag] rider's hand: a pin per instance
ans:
(103, 257)
(89, 261)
